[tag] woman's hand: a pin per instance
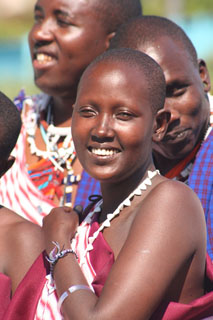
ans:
(60, 226)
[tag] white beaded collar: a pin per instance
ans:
(126, 203)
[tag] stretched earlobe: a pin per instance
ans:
(161, 124)
(204, 75)
(109, 38)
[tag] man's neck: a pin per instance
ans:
(163, 164)
(62, 111)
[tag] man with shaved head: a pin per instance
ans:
(185, 153)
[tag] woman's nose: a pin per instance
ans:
(103, 130)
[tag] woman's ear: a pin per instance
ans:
(161, 124)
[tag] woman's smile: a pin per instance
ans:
(103, 152)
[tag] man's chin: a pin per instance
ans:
(169, 153)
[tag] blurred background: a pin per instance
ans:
(16, 18)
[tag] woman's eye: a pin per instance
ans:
(86, 112)
(124, 116)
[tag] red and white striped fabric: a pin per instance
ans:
(17, 191)
(47, 306)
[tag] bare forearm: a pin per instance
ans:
(81, 303)
(60, 226)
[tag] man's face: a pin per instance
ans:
(66, 36)
(185, 98)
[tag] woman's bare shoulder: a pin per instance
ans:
(177, 196)
(174, 207)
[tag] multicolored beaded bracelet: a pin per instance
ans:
(56, 254)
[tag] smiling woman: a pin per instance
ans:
(110, 116)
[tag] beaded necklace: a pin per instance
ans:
(110, 216)
(48, 173)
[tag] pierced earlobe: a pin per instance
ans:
(161, 124)
(108, 39)
(204, 75)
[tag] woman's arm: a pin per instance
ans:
(166, 235)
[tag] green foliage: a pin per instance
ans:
(14, 27)
(209, 62)
(190, 7)
(196, 6)
(155, 7)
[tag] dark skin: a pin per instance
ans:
(186, 99)
(20, 240)
(66, 36)
(112, 107)
(6, 164)
(20, 244)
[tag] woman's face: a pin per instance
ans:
(65, 38)
(112, 122)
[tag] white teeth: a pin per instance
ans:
(104, 152)
(42, 58)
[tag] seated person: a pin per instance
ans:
(138, 255)
(186, 151)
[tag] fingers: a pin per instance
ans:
(78, 209)
(61, 225)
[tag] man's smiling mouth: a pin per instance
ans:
(43, 58)
(177, 135)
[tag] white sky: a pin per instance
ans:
(9, 8)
